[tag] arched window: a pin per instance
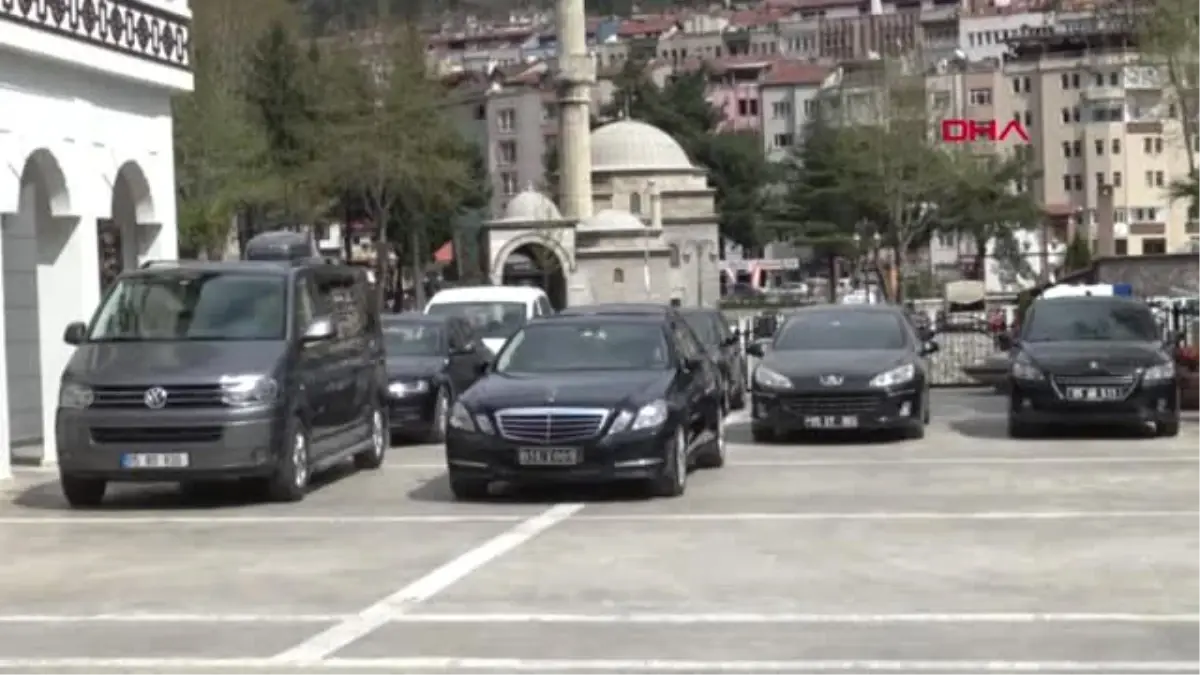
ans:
(618, 276)
(674, 255)
(635, 204)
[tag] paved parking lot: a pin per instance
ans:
(961, 552)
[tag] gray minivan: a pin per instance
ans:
(196, 372)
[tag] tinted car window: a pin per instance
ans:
(1089, 320)
(842, 330)
(705, 327)
(600, 345)
(412, 339)
(489, 319)
(194, 306)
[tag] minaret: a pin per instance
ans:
(576, 74)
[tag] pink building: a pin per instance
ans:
(733, 88)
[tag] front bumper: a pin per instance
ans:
(220, 443)
(636, 455)
(412, 414)
(1038, 402)
(873, 409)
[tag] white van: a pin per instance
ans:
(496, 312)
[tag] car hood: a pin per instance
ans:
(414, 366)
(585, 389)
(171, 363)
(1108, 356)
(856, 366)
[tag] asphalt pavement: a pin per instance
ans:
(961, 552)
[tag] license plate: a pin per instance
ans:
(1094, 393)
(154, 460)
(548, 456)
(831, 421)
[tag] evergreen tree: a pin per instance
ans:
(1078, 255)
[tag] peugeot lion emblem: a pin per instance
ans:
(832, 380)
(156, 397)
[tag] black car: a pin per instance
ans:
(431, 360)
(1091, 360)
(645, 308)
(590, 399)
(724, 346)
(841, 367)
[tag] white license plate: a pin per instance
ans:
(549, 456)
(1094, 393)
(154, 460)
(831, 421)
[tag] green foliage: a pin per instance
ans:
(737, 169)
(1078, 255)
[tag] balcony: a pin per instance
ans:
(1094, 93)
(141, 39)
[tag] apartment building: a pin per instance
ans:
(789, 95)
(1098, 117)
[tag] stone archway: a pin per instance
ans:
(124, 239)
(534, 264)
(40, 281)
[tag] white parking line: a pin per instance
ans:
(753, 618)
(909, 461)
(169, 618)
(451, 664)
(281, 519)
(378, 614)
(890, 515)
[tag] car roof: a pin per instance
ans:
(1076, 299)
(487, 294)
(267, 267)
(414, 317)
(656, 319)
(700, 311)
(618, 308)
(865, 308)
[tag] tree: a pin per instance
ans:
(219, 149)
(1078, 255)
(386, 138)
(982, 203)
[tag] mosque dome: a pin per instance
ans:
(630, 145)
(612, 219)
(530, 206)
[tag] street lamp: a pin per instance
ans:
(699, 248)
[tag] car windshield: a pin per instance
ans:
(412, 339)
(704, 327)
(848, 330)
(1071, 320)
(592, 345)
(489, 319)
(187, 305)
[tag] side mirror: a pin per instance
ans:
(692, 364)
(468, 348)
(1004, 341)
(756, 348)
(76, 333)
(482, 367)
(930, 347)
(319, 330)
(731, 341)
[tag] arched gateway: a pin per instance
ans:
(86, 189)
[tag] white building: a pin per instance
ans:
(85, 144)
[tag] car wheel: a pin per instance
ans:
(441, 412)
(926, 414)
(713, 456)
(372, 458)
(673, 480)
(82, 493)
(739, 397)
(1019, 429)
(915, 432)
(289, 483)
(1168, 429)
(468, 488)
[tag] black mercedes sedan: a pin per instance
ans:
(724, 346)
(1091, 361)
(431, 361)
(591, 399)
(841, 368)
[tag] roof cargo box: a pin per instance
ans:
(281, 246)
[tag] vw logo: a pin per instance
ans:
(832, 380)
(155, 398)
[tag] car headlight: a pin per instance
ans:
(1161, 372)
(895, 376)
(404, 388)
(769, 379)
(248, 390)
(75, 396)
(460, 418)
(1023, 369)
(650, 416)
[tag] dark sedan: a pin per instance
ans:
(841, 367)
(590, 399)
(724, 346)
(431, 360)
(1091, 360)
